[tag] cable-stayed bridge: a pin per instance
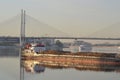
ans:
(16, 39)
(37, 28)
(84, 38)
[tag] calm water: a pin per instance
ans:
(9, 70)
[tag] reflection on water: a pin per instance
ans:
(48, 70)
(33, 66)
(9, 63)
(39, 67)
(36, 70)
(9, 51)
(9, 68)
(58, 70)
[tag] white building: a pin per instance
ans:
(80, 46)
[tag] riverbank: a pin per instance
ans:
(79, 58)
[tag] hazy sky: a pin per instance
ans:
(78, 17)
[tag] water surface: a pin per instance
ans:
(9, 70)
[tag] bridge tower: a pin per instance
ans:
(22, 32)
(22, 42)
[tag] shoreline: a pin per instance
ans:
(79, 58)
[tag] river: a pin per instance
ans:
(9, 70)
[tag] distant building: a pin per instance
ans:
(47, 44)
(38, 48)
(43, 41)
(80, 46)
(35, 47)
(56, 47)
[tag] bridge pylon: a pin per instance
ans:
(22, 42)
